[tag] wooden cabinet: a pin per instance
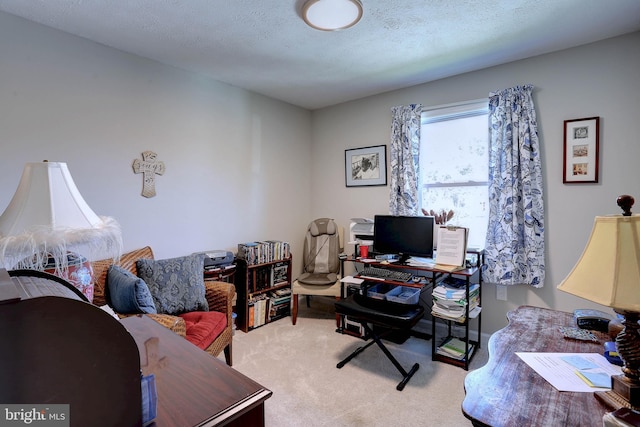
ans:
(264, 292)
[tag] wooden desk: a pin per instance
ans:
(507, 392)
(194, 388)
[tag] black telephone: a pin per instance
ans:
(594, 320)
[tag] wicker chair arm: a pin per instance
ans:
(220, 296)
(174, 323)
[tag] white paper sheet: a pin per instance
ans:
(563, 375)
(351, 279)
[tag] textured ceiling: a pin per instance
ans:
(264, 46)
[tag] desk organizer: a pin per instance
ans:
(404, 295)
(379, 290)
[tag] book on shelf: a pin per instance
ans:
(459, 301)
(279, 274)
(275, 300)
(247, 252)
(251, 314)
(451, 250)
(455, 348)
(278, 311)
(446, 292)
(258, 310)
(449, 311)
(454, 282)
(261, 252)
(459, 317)
(282, 292)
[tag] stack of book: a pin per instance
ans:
(450, 301)
(279, 274)
(263, 251)
(280, 303)
(258, 309)
(265, 308)
(454, 348)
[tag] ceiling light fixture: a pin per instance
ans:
(332, 15)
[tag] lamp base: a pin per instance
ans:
(623, 394)
(78, 272)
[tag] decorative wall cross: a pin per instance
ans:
(149, 167)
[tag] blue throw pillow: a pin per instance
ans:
(176, 284)
(128, 294)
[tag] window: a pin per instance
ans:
(454, 165)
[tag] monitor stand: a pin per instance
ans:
(403, 258)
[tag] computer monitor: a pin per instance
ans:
(403, 235)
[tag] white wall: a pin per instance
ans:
(600, 79)
(236, 162)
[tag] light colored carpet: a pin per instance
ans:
(298, 364)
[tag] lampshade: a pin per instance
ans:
(608, 272)
(47, 217)
(331, 15)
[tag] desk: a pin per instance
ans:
(194, 388)
(507, 392)
(434, 276)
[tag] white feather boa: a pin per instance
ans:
(32, 249)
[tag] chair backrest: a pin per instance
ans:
(321, 252)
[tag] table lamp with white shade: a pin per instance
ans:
(49, 226)
(608, 273)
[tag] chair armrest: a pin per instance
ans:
(175, 324)
(219, 295)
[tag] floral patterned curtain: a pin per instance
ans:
(515, 237)
(403, 159)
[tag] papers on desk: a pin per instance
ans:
(452, 246)
(351, 279)
(579, 372)
(415, 261)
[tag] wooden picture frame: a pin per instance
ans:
(366, 166)
(581, 150)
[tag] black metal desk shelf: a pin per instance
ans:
(433, 277)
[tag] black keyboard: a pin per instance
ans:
(376, 273)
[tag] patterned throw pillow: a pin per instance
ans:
(176, 284)
(128, 294)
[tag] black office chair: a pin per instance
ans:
(389, 317)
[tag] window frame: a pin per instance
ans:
(449, 112)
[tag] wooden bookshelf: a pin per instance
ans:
(264, 292)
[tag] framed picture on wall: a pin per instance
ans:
(581, 150)
(366, 166)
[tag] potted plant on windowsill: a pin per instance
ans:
(441, 218)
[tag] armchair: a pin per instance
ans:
(192, 326)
